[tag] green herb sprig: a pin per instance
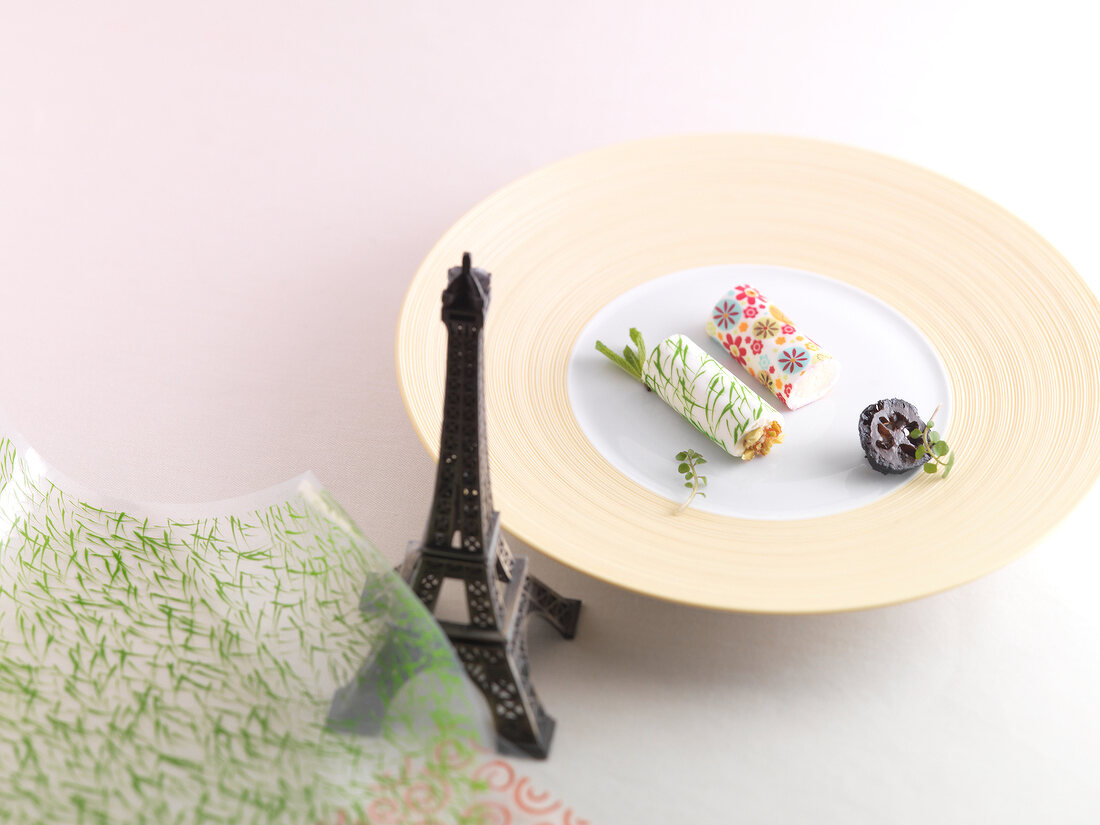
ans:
(940, 456)
(689, 469)
(631, 361)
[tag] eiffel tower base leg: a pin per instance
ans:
(561, 613)
(523, 727)
(539, 747)
(497, 662)
(360, 707)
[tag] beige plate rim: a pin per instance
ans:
(1014, 324)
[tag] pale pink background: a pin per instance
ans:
(209, 212)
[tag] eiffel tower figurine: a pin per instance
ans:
(464, 539)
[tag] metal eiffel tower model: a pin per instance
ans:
(464, 539)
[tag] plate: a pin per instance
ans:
(819, 469)
(1016, 330)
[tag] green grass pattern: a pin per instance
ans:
(181, 672)
(709, 396)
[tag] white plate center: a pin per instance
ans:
(819, 469)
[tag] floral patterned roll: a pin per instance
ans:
(712, 398)
(768, 345)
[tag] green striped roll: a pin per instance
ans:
(711, 398)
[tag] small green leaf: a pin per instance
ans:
(618, 360)
(940, 448)
(915, 434)
(930, 425)
(933, 436)
(920, 452)
(701, 493)
(930, 467)
(688, 468)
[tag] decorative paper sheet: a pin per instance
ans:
(257, 665)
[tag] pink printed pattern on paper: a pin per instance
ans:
(525, 803)
(438, 792)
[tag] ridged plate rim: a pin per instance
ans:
(1017, 329)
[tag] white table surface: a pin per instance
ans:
(209, 213)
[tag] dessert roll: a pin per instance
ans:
(711, 398)
(771, 348)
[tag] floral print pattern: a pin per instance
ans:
(763, 340)
(765, 328)
(793, 360)
(733, 346)
(745, 294)
(726, 315)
